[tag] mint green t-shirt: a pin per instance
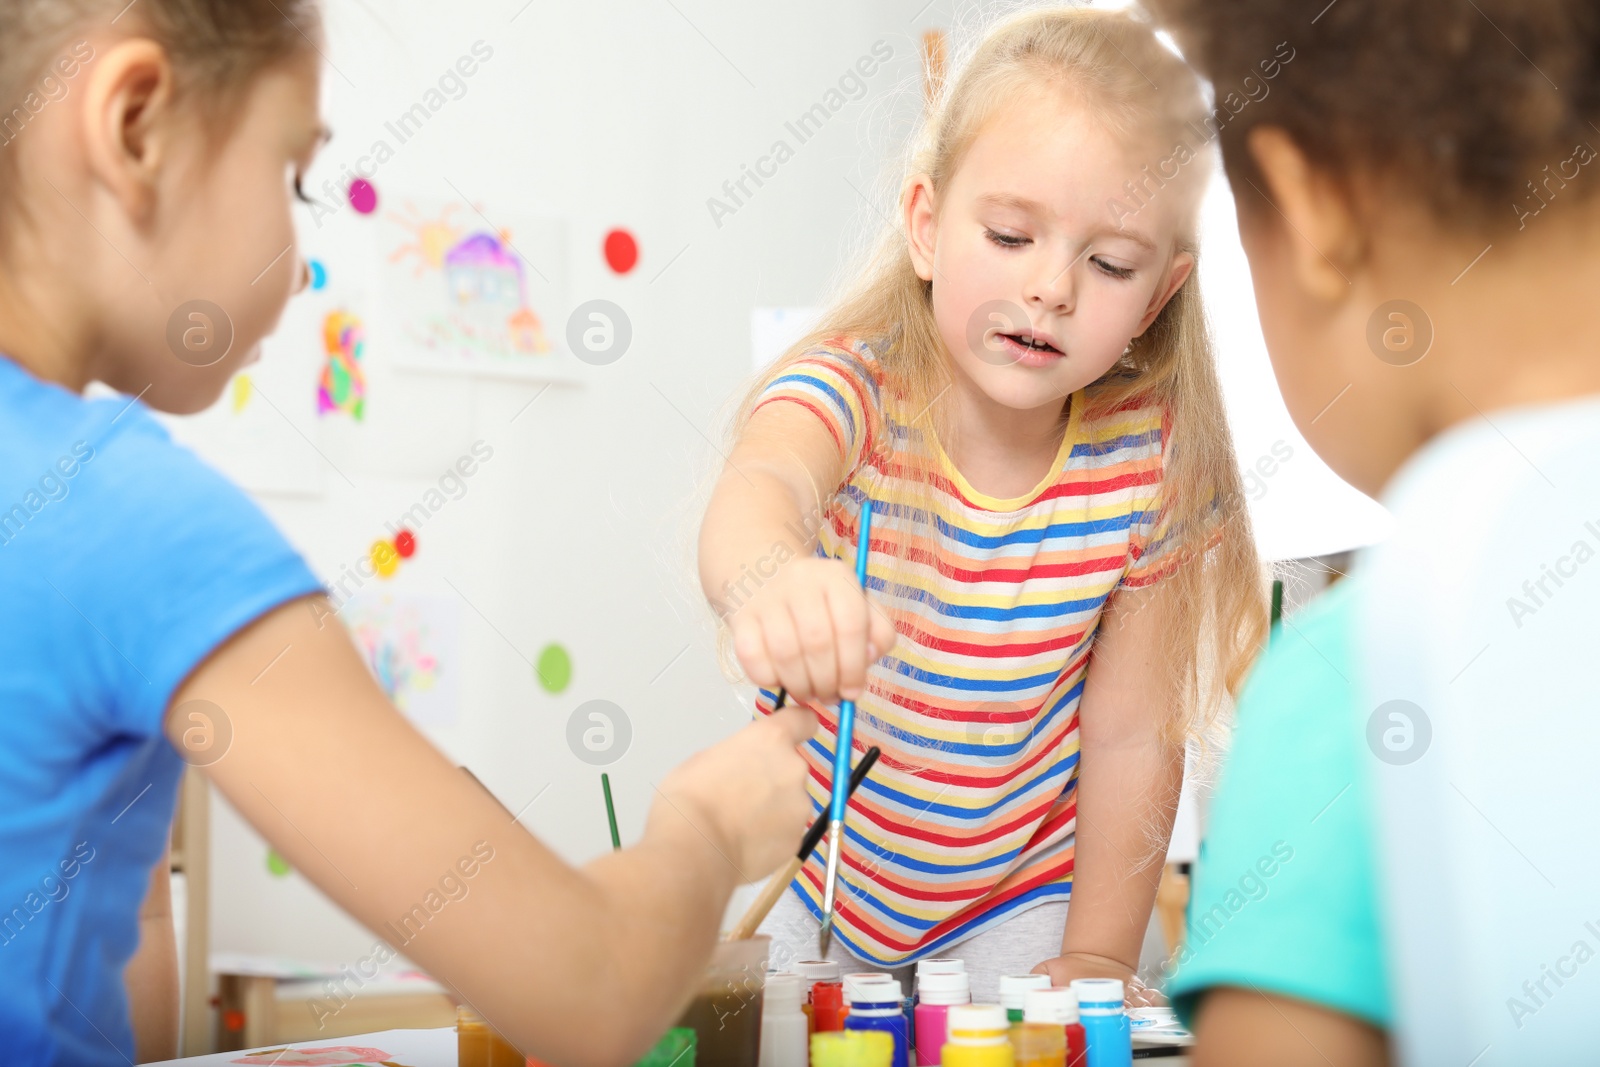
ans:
(1284, 896)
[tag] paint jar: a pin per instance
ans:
(675, 1049)
(811, 972)
(863, 976)
(938, 993)
(935, 965)
(1058, 1007)
(977, 1037)
(859, 1048)
(941, 965)
(783, 1025)
(1014, 987)
(858, 976)
(827, 1007)
(725, 1014)
(938, 965)
(1038, 1044)
(478, 1045)
(1105, 1022)
(875, 1005)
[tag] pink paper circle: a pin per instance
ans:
(363, 197)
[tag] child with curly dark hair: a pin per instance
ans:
(1384, 874)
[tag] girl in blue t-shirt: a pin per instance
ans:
(156, 616)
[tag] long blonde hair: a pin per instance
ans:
(1214, 598)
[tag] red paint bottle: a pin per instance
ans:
(811, 972)
(827, 1006)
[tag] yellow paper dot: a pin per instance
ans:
(243, 388)
(385, 559)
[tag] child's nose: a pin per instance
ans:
(1054, 284)
(302, 276)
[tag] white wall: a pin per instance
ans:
(580, 530)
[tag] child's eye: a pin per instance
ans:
(1115, 271)
(1004, 240)
(299, 191)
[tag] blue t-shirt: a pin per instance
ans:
(124, 562)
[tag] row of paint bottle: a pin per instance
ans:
(798, 1007)
(817, 999)
(1049, 1034)
(1084, 1026)
(1081, 1026)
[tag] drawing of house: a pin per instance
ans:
(482, 269)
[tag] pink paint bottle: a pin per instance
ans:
(937, 993)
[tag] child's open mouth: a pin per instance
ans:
(1028, 350)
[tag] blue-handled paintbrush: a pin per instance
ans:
(843, 745)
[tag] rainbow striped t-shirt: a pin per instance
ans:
(969, 816)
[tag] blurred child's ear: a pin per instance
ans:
(1325, 239)
(1177, 274)
(127, 114)
(920, 221)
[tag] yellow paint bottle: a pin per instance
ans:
(977, 1037)
(852, 1048)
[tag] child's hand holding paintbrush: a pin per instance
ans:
(756, 832)
(806, 625)
(775, 886)
(812, 630)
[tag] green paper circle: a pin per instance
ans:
(277, 866)
(554, 668)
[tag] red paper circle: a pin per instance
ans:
(363, 196)
(405, 543)
(622, 251)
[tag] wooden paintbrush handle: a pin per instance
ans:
(757, 912)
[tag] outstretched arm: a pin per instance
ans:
(576, 965)
(1249, 1028)
(797, 621)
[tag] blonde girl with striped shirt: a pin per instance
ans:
(1062, 584)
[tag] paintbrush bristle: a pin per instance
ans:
(825, 937)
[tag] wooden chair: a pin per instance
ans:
(191, 857)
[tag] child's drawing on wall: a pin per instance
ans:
(463, 289)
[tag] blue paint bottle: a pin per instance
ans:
(875, 1005)
(1105, 1022)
